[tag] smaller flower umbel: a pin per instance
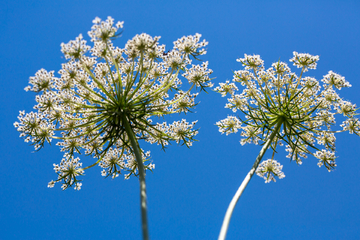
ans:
(281, 108)
(108, 98)
(270, 169)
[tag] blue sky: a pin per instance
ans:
(190, 189)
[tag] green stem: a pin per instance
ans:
(245, 182)
(143, 204)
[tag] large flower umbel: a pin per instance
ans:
(106, 96)
(280, 108)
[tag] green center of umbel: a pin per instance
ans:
(115, 114)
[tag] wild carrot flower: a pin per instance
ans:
(270, 169)
(281, 108)
(108, 98)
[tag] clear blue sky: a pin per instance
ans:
(190, 189)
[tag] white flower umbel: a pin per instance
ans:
(107, 98)
(282, 108)
(270, 169)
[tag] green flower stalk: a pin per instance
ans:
(108, 98)
(281, 108)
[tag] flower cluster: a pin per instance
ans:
(104, 93)
(67, 171)
(295, 111)
(269, 169)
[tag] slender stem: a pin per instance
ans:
(143, 204)
(245, 182)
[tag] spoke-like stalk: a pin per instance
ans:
(245, 182)
(143, 204)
